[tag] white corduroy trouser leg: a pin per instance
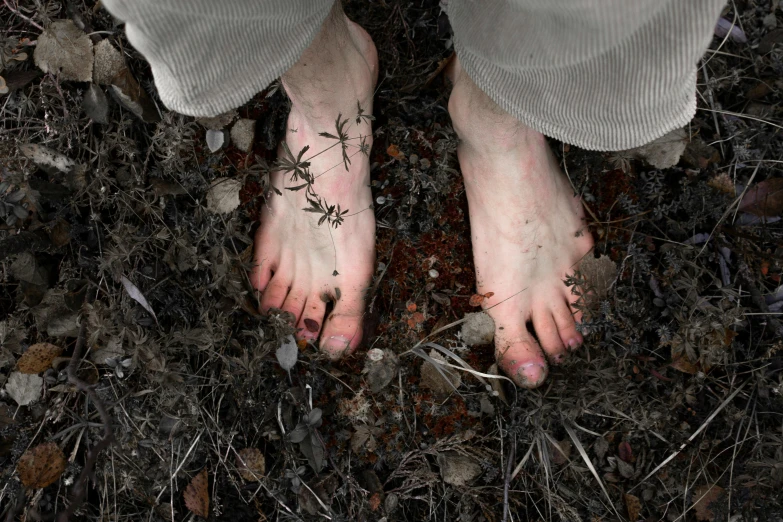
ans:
(599, 74)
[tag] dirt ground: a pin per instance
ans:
(139, 382)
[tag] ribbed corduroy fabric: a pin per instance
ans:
(210, 56)
(599, 74)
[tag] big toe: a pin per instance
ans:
(522, 359)
(342, 332)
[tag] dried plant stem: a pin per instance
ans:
(79, 491)
(16, 11)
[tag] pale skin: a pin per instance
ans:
(527, 227)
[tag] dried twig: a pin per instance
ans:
(79, 490)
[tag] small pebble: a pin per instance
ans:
(380, 200)
(413, 159)
(433, 273)
(424, 164)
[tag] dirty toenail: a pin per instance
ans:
(530, 375)
(336, 345)
(574, 343)
(558, 358)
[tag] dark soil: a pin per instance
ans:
(671, 411)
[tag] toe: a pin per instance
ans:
(275, 293)
(522, 360)
(342, 332)
(561, 312)
(295, 302)
(312, 316)
(260, 274)
(548, 335)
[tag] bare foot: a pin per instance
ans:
(301, 265)
(528, 232)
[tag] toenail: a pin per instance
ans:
(574, 343)
(336, 345)
(530, 375)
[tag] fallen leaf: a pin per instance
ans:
(251, 464)
(133, 97)
(457, 469)
(633, 505)
(96, 105)
(726, 27)
(682, 364)
(24, 388)
(197, 495)
(46, 158)
(380, 368)
(223, 195)
(435, 380)
(243, 134)
(624, 452)
(478, 329)
(107, 64)
(136, 295)
(703, 497)
(663, 153)
(215, 139)
(599, 273)
(41, 466)
(394, 152)
(65, 51)
(38, 357)
(287, 354)
(476, 300)
(764, 199)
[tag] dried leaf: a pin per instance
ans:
(599, 274)
(197, 495)
(65, 51)
(46, 158)
(24, 388)
(223, 195)
(136, 295)
(663, 153)
(478, 329)
(288, 353)
(394, 152)
(251, 464)
(476, 300)
(726, 27)
(41, 466)
(380, 368)
(682, 364)
(624, 452)
(633, 505)
(215, 139)
(38, 357)
(764, 199)
(108, 63)
(96, 105)
(703, 497)
(457, 469)
(243, 134)
(133, 97)
(442, 380)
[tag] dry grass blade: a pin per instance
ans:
(464, 366)
(583, 453)
(695, 434)
(437, 365)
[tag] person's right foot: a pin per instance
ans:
(302, 264)
(528, 232)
